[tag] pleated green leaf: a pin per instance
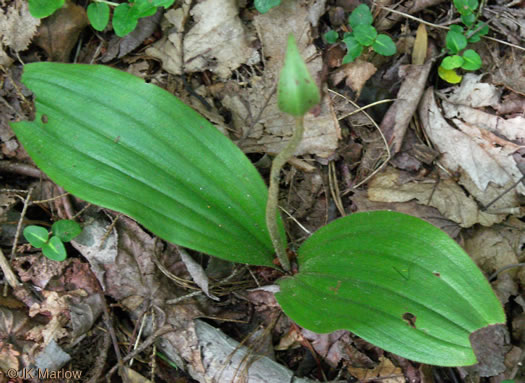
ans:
(397, 282)
(111, 139)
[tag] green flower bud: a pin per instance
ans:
(297, 92)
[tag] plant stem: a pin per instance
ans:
(273, 192)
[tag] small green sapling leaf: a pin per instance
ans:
(384, 45)
(452, 62)
(162, 3)
(264, 6)
(360, 16)
(468, 19)
(331, 36)
(44, 8)
(466, 6)
(353, 49)
(37, 236)
(66, 229)
(455, 40)
(123, 20)
(98, 15)
(365, 34)
(472, 61)
(142, 8)
(449, 75)
(54, 249)
(297, 92)
(482, 29)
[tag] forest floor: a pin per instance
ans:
(451, 154)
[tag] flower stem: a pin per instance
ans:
(273, 193)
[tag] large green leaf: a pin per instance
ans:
(111, 139)
(397, 282)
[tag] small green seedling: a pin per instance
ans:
(125, 15)
(53, 248)
(363, 35)
(457, 40)
(264, 6)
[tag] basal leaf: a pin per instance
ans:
(111, 139)
(397, 282)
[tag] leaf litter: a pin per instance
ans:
(466, 152)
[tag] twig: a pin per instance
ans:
(152, 338)
(19, 225)
(101, 358)
(504, 268)
(273, 192)
(9, 274)
(485, 207)
(23, 169)
(49, 199)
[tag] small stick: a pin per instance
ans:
(484, 208)
(19, 226)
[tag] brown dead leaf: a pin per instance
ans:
(484, 160)
(509, 70)
(218, 41)
(292, 339)
(14, 344)
(445, 195)
(121, 46)
(355, 74)
(511, 128)
(17, 26)
(428, 213)
(474, 93)
(490, 344)
(396, 120)
(419, 53)
(493, 248)
(37, 269)
(253, 104)
(59, 32)
(385, 370)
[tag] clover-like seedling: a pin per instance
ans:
(125, 15)
(53, 248)
(457, 40)
(264, 6)
(363, 35)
